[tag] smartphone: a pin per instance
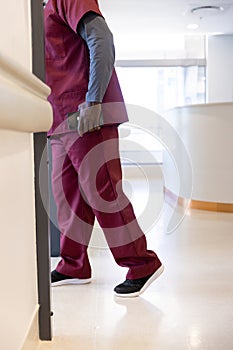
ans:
(73, 118)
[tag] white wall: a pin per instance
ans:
(220, 68)
(24, 109)
(210, 157)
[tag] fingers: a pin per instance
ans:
(95, 129)
(80, 128)
(85, 125)
(89, 119)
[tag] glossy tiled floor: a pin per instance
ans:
(189, 307)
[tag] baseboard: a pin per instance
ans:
(171, 198)
(32, 337)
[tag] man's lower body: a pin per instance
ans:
(86, 181)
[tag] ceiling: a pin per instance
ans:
(166, 16)
(145, 29)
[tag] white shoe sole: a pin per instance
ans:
(71, 281)
(146, 285)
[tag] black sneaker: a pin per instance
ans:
(133, 288)
(58, 279)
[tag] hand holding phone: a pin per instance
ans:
(86, 119)
(89, 117)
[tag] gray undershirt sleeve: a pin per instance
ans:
(94, 30)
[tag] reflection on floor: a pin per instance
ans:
(190, 306)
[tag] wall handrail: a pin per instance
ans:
(23, 99)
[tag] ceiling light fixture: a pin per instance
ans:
(207, 10)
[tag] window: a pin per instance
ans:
(158, 89)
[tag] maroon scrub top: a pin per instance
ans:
(67, 64)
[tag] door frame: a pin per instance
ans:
(40, 163)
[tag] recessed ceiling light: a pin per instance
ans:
(192, 26)
(207, 10)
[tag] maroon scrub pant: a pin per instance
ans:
(86, 181)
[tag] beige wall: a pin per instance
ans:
(15, 30)
(23, 110)
(18, 301)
